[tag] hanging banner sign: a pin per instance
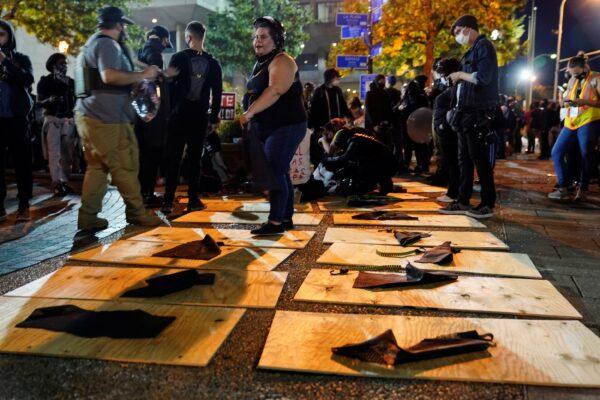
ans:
(376, 15)
(365, 81)
(351, 19)
(355, 62)
(227, 112)
(353, 32)
(377, 3)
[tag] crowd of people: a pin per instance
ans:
(355, 148)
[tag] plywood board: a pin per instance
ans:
(230, 237)
(416, 187)
(206, 217)
(232, 288)
(191, 340)
(183, 199)
(424, 221)
(409, 206)
(467, 261)
(140, 253)
(533, 352)
(250, 206)
(523, 297)
(460, 240)
(416, 184)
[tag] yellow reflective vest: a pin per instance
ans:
(580, 116)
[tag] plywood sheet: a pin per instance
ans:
(191, 340)
(533, 352)
(461, 240)
(140, 253)
(183, 199)
(232, 288)
(250, 206)
(206, 217)
(467, 261)
(424, 221)
(230, 237)
(416, 187)
(416, 184)
(409, 206)
(523, 297)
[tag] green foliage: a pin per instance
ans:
(229, 34)
(416, 32)
(52, 21)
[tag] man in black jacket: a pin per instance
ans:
(199, 78)
(152, 135)
(328, 101)
(56, 93)
(16, 77)
(378, 108)
(474, 110)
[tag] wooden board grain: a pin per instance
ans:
(232, 288)
(230, 237)
(140, 253)
(460, 240)
(250, 206)
(424, 221)
(409, 206)
(533, 352)
(466, 261)
(191, 340)
(417, 184)
(523, 297)
(248, 197)
(206, 217)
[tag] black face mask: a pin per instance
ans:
(581, 76)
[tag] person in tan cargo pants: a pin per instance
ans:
(104, 117)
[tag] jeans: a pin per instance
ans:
(586, 137)
(13, 136)
(279, 147)
(186, 128)
(473, 153)
(59, 146)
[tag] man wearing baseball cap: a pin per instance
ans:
(474, 104)
(104, 117)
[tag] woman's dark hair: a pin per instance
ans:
(276, 29)
(447, 66)
(355, 103)
(197, 28)
(330, 74)
(580, 60)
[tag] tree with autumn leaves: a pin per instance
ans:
(413, 33)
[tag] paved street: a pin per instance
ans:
(562, 239)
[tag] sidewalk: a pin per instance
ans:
(562, 239)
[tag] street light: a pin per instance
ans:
(558, 46)
(63, 47)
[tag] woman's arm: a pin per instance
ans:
(281, 76)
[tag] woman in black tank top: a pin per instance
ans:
(277, 119)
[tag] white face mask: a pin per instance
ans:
(461, 38)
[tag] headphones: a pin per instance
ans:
(277, 29)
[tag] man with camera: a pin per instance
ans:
(472, 117)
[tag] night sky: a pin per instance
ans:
(581, 32)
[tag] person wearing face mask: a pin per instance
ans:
(104, 117)
(16, 77)
(474, 109)
(152, 135)
(328, 101)
(56, 94)
(582, 127)
(193, 92)
(277, 118)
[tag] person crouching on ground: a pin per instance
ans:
(104, 116)
(56, 94)
(277, 116)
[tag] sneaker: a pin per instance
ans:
(455, 209)
(94, 224)
(149, 219)
(67, 189)
(2, 214)
(445, 199)
(480, 212)
(288, 225)
(559, 194)
(268, 228)
(152, 201)
(167, 208)
(59, 191)
(195, 205)
(477, 188)
(23, 214)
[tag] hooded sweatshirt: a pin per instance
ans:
(16, 77)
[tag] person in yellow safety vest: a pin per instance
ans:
(582, 126)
